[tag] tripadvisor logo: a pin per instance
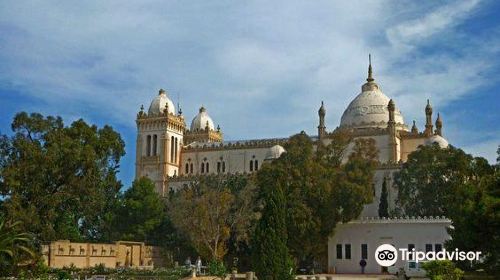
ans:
(387, 255)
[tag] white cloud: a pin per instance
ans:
(406, 34)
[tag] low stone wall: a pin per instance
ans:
(63, 253)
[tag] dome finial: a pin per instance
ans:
(370, 70)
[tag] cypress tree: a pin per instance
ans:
(383, 206)
(271, 260)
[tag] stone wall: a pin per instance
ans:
(63, 253)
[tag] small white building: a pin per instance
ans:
(357, 240)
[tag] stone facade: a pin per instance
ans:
(63, 253)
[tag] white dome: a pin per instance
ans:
(201, 120)
(159, 103)
(436, 139)
(274, 152)
(369, 109)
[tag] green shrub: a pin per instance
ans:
(216, 268)
(442, 270)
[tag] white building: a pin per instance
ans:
(172, 154)
(357, 240)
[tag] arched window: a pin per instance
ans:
(172, 149)
(191, 167)
(251, 165)
(223, 167)
(155, 144)
(256, 165)
(148, 146)
(219, 166)
(202, 167)
(207, 167)
(187, 168)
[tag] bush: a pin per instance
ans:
(216, 268)
(442, 270)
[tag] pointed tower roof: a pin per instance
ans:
(322, 109)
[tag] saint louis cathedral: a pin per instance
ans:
(173, 154)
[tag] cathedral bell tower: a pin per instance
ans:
(160, 134)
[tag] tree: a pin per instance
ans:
(430, 179)
(59, 181)
(15, 247)
(442, 270)
(322, 187)
(270, 251)
(449, 182)
(140, 213)
(383, 206)
(210, 210)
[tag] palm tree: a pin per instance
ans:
(13, 244)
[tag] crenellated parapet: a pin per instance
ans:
(197, 177)
(401, 220)
(232, 145)
(205, 135)
(164, 120)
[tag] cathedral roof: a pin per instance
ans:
(159, 104)
(443, 143)
(202, 120)
(274, 152)
(369, 108)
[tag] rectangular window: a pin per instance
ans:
(411, 247)
(438, 247)
(339, 251)
(348, 251)
(428, 247)
(364, 251)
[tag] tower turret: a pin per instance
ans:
(439, 125)
(391, 107)
(321, 126)
(414, 129)
(391, 127)
(428, 119)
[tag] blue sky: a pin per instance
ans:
(261, 68)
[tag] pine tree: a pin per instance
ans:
(271, 259)
(383, 207)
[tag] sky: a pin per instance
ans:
(261, 68)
